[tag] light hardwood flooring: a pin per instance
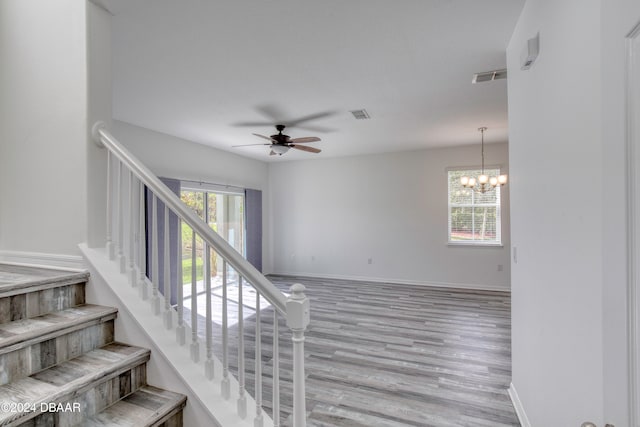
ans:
(391, 355)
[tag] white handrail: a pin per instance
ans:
(295, 308)
(277, 299)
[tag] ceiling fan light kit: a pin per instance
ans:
(279, 149)
(483, 182)
(281, 143)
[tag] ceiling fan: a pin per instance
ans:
(281, 143)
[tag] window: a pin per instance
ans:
(474, 218)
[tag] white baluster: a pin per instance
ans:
(276, 372)
(155, 262)
(242, 398)
(206, 266)
(111, 250)
(133, 235)
(142, 247)
(168, 313)
(195, 345)
(258, 420)
(225, 384)
(120, 200)
(297, 321)
(180, 332)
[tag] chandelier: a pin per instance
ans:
(483, 183)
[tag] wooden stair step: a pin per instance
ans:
(96, 375)
(29, 346)
(48, 326)
(27, 292)
(16, 279)
(147, 407)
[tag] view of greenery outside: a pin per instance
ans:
(473, 216)
(195, 200)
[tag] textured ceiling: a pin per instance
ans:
(198, 69)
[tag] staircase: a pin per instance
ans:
(142, 263)
(59, 364)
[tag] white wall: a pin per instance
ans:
(173, 157)
(618, 18)
(43, 117)
(99, 109)
(330, 216)
(566, 134)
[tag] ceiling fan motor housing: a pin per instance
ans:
(280, 137)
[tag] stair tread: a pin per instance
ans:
(61, 381)
(26, 329)
(15, 278)
(145, 407)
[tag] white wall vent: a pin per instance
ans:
(489, 76)
(360, 114)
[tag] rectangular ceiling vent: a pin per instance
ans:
(489, 76)
(360, 114)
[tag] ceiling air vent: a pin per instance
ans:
(360, 114)
(488, 76)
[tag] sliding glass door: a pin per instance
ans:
(224, 212)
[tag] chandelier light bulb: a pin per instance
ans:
(502, 179)
(472, 182)
(483, 179)
(493, 181)
(464, 181)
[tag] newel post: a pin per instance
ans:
(297, 320)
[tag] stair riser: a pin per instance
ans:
(27, 360)
(33, 303)
(174, 421)
(93, 400)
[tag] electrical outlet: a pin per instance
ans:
(500, 267)
(313, 257)
(515, 255)
(370, 261)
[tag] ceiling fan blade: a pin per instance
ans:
(272, 112)
(247, 145)
(305, 148)
(310, 117)
(262, 136)
(305, 139)
(252, 124)
(317, 129)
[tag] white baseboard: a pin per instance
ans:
(471, 286)
(517, 405)
(39, 259)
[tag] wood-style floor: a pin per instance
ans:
(393, 355)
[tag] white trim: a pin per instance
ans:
(390, 281)
(471, 244)
(210, 187)
(46, 260)
(633, 279)
(517, 405)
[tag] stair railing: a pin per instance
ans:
(128, 180)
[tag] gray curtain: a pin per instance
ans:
(253, 221)
(174, 185)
